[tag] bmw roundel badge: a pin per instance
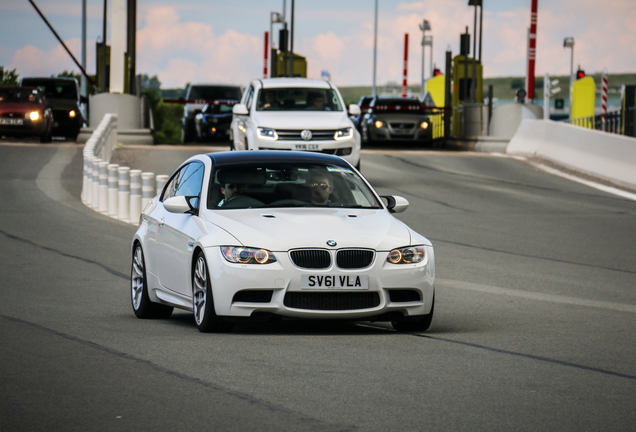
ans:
(331, 243)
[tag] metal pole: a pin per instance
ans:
(104, 56)
(132, 47)
(481, 17)
(375, 47)
(291, 51)
(431, 65)
(84, 84)
(423, 63)
(473, 84)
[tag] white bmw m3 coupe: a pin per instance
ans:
(240, 235)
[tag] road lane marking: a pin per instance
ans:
(552, 298)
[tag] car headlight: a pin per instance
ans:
(407, 255)
(267, 134)
(379, 124)
(424, 125)
(342, 134)
(241, 255)
(72, 114)
(34, 115)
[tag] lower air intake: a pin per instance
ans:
(332, 300)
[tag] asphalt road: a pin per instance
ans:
(533, 328)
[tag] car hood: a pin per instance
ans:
(302, 119)
(284, 229)
(20, 107)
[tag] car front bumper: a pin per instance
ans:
(348, 149)
(393, 289)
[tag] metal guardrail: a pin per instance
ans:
(113, 190)
(611, 122)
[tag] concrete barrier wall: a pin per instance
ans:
(600, 154)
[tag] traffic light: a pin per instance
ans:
(436, 72)
(580, 73)
(559, 104)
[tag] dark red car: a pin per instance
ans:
(23, 112)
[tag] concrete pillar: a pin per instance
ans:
(118, 46)
(95, 188)
(135, 196)
(147, 188)
(103, 187)
(124, 194)
(113, 190)
(162, 179)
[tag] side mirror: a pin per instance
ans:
(181, 204)
(240, 109)
(83, 99)
(396, 204)
(354, 110)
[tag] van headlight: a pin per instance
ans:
(267, 134)
(342, 134)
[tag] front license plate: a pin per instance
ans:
(334, 282)
(311, 147)
(8, 121)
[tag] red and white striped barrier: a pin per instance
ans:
(406, 65)
(265, 55)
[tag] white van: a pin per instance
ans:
(295, 114)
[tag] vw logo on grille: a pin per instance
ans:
(331, 243)
(306, 135)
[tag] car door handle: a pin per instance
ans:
(161, 221)
(190, 246)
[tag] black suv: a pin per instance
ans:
(63, 97)
(202, 94)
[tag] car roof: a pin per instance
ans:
(214, 85)
(50, 79)
(294, 82)
(269, 156)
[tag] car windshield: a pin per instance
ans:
(258, 185)
(20, 95)
(62, 89)
(298, 99)
(214, 93)
(225, 108)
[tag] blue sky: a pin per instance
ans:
(222, 41)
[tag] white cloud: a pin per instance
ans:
(33, 61)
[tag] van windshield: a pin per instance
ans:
(298, 99)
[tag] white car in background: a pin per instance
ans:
(295, 114)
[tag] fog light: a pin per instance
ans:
(379, 124)
(71, 114)
(424, 125)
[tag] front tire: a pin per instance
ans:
(142, 306)
(417, 324)
(205, 316)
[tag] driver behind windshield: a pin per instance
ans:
(320, 183)
(230, 191)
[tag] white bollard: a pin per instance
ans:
(103, 187)
(95, 193)
(113, 190)
(135, 196)
(85, 170)
(124, 194)
(147, 188)
(162, 179)
(89, 181)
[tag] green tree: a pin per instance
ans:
(9, 78)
